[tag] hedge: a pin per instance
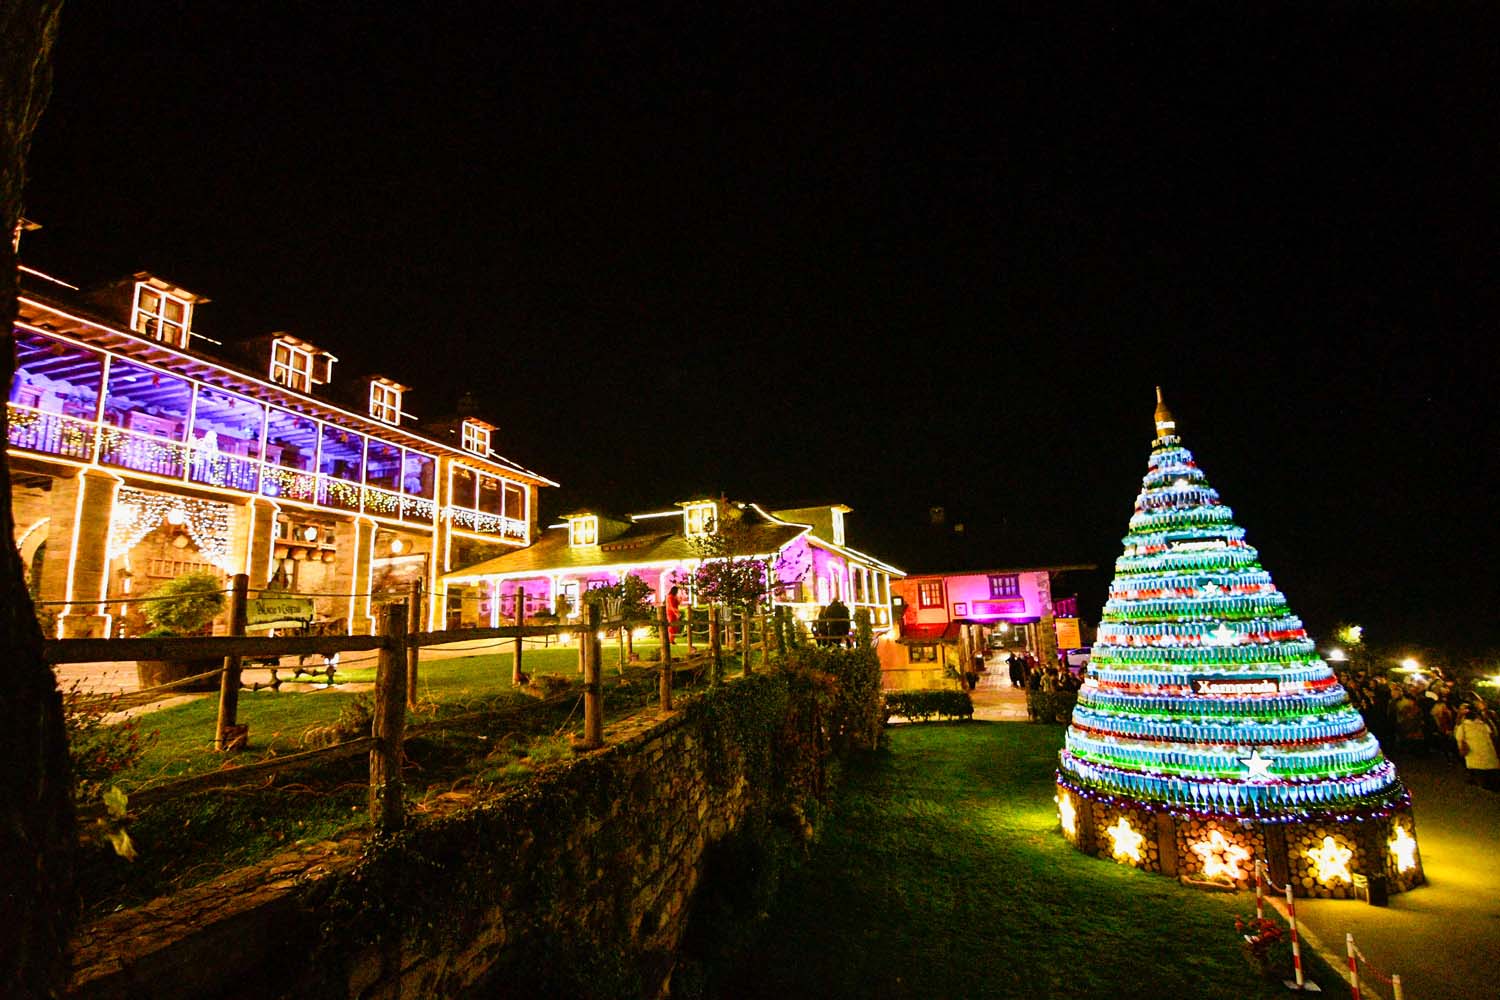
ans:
(920, 706)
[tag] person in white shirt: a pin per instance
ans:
(1476, 742)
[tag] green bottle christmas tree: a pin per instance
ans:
(1209, 734)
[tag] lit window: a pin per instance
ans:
(583, 530)
(291, 366)
(930, 594)
(921, 654)
(160, 316)
(385, 402)
(1005, 585)
(838, 526)
(476, 437)
(700, 519)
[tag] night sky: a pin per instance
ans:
(891, 259)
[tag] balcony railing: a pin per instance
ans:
(50, 433)
(69, 437)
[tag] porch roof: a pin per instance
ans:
(641, 544)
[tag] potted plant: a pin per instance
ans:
(183, 606)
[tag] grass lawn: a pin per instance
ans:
(471, 733)
(940, 873)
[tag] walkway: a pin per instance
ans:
(1442, 938)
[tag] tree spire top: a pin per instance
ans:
(1165, 425)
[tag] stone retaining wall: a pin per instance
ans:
(604, 851)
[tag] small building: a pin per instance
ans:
(808, 563)
(944, 619)
(140, 449)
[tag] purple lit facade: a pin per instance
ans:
(99, 410)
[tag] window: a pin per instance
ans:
(838, 526)
(160, 316)
(291, 366)
(930, 594)
(921, 654)
(385, 402)
(1005, 585)
(583, 530)
(476, 437)
(700, 519)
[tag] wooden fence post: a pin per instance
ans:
(229, 680)
(593, 694)
(664, 684)
(746, 650)
(715, 645)
(765, 640)
(517, 677)
(413, 651)
(386, 811)
(687, 621)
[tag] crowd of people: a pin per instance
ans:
(1027, 672)
(1430, 715)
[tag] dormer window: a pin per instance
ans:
(700, 519)
(160, 315)
(291, 366)
(385, 401)
(476, 437)
(583, 529)
(838, 526)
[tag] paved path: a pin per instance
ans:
(1442, 938)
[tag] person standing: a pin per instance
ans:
(1476, 744)
(674, 612)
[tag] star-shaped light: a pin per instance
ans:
(1223, 636)
(1220, 857)
(1067, 814)
(1212, 589)
(1332, 860)
(1127, 843)
(1258, 767)
(1404, 847)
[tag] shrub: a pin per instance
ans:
(184, 605)
(924, 705)
(1050, 706)
(99, 749)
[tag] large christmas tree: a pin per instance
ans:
(1209, 733)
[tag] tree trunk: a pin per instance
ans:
(38, 834)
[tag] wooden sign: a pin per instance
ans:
(269, 609)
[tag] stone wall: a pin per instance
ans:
(596, 860)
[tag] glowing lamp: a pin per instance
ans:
(1331, 861)
(1337, 655)
(398, 546)
(176, 516)
(310, 533)
(1221, 857)
(1067, 815)
(1410, 665)
(1404, 847)
(1126, 842)
(181, 541)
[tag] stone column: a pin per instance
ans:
(76, 565)
(254, 523)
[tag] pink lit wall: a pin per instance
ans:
(970, 596)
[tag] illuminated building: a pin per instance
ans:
(945, 618)
(136, 455)
(809, 564)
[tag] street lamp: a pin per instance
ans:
(1410, 665)
(1337, 655)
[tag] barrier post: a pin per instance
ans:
(229, 679)
(517, 677)
(1300, 982)
(687, 624)
(389, 725)
(1260, 890)
(1396, 987)
(746, 650)
(593, 692)
(715, 645)
(413, 651)
(1353, 967)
